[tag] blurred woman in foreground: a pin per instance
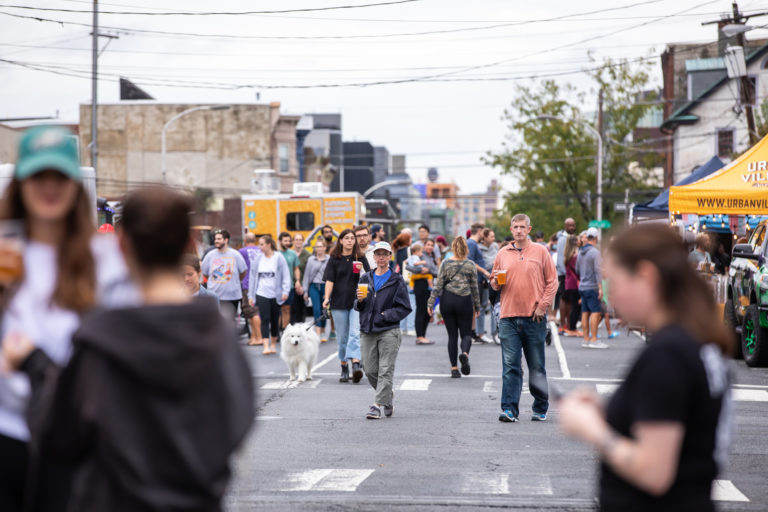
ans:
(664, 434)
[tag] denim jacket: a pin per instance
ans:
(383, 310)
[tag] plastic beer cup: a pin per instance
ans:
(11, 249)
(363, 288)
(501, 277)
(356, 266)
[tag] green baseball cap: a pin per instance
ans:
(47, 148)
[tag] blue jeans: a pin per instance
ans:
(409, 323)
(518, 335)
(480, 324)
(316, 293)
(347, 333)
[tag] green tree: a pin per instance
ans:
(555, 161)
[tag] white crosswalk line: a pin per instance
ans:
(724, 490)
(339, 480)
(606, 389)
(414, 385)
(344, 480)
(750, 395)
(485, 483)
(287, 384)
(538, 485)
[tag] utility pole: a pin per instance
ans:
(600, 155)
(747, 93)
(94, 84)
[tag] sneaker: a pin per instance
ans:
(455, 374)
(357, 372)
(613, 335)
(507, 417)
(344, 373)
(484, 338)
(496, 339)
(374, 413)
(585, 344)
(410, 333)
(464, 359)
(388, 410)
(539, 416)
(597, 344)
(332, 336)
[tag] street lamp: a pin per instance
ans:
(599, 157)
(177, 116)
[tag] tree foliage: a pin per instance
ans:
(554, 161)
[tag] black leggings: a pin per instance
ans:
(269, 312)
(421, 295)
(457, 314)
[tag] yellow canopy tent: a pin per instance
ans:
(740, 188)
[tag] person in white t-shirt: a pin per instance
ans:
(64, 270)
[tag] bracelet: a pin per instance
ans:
(607, 442)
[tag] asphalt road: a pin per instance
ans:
(444, 449)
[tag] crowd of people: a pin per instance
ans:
(123, 310)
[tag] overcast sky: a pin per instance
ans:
(446, 124)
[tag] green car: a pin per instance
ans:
(746, 310)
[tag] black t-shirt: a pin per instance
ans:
(339, 272)
(674, 379)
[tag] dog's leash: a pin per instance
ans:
(325, 316)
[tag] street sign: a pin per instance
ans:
(601, 224)
(620, 207)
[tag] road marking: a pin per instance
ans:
(539, 485)
(292, 384)
(485, 483)
(267, 418)
(750, 395)
(606, 389)
(489, 387)
(724, 490)
(325, 361)
(339, 480)
(560, 352)
(414, 385)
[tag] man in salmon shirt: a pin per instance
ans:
(526, 295)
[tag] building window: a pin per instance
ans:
(300, 221)
(284, 155)
(725, 143)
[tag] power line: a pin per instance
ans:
(336, 37)
(211, 13)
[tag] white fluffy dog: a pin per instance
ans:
(298, 348)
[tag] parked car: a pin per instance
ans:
(746, 309)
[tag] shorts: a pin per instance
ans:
(560, 291)
(589, 302)
(246, 309)
(571, 297)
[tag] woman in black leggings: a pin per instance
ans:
(456, 285)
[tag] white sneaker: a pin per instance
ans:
(486, 339)
(585, 344)
(597, 344)
(410, 333)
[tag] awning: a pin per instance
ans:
(738, 189)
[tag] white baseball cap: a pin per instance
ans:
(593, 233)
(382, 245)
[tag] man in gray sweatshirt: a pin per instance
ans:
(590, 289)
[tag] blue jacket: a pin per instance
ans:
(384, 309)
(282, 278)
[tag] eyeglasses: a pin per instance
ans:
(366, 235)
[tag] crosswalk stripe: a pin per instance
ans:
(750, 395)
(414, 385)
(499, 483)
(339, 480)
(485, 483)
(739, 395)
(288, 384)
(606, 389)
(724, 490)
